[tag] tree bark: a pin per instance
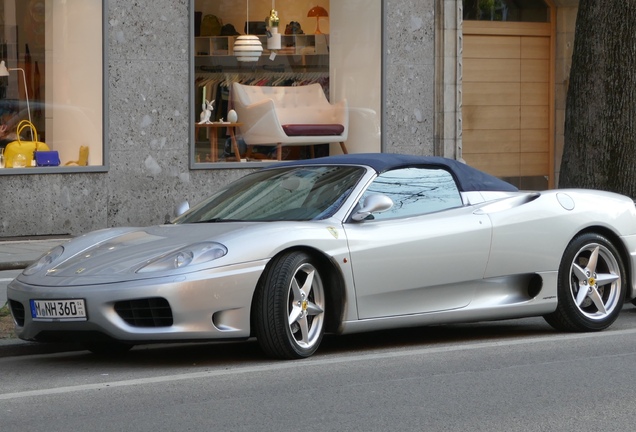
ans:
(600, 120)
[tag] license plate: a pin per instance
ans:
(58, 310)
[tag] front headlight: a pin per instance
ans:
(198, 253)
(45, 260)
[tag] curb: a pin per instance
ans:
(14, 265)
(17, 347)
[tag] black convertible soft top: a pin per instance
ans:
(468, 178)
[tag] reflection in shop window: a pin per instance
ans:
(506, 10)
(52, 50)
(331, 45)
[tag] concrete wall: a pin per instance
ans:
(149, 122)
(409, 77)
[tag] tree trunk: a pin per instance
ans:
(600, 118)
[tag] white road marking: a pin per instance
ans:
(312, 362)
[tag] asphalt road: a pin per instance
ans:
(516, 375)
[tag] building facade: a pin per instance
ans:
(118, 87)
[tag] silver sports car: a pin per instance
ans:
(340, 244)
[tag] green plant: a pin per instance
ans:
(4, 310)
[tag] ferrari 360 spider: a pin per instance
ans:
(338, 245)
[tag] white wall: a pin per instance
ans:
(74, 78)
(355, 69)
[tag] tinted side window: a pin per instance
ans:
(416, 191)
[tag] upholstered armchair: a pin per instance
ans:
(294, 115)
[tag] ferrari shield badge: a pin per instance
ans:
(333, 232)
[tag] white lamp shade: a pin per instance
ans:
(248, 48)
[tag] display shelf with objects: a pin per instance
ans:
(255, 45)
(297, 53)
(290, 45)
(302, 59)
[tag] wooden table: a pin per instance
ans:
(214, 140)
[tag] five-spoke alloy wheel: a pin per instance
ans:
(289, 307)
(590, 291)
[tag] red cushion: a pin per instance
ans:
(313, 129)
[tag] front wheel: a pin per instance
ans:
(289, 308)
(590, 285)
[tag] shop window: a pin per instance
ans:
(53, 76)
(506, 10)
(333, 45)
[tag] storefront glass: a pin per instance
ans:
(506, 10)
(53, 76)
(304, 73)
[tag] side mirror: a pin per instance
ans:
(375, 203)
(181, 208)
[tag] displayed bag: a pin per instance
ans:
(47, 158)
(23, 147)
(293, 28)
(211, 25)
(83, 158)
(229, 30)
(197, 23)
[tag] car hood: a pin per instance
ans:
(113, 255)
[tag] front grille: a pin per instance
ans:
(151, 312)
(17, 310)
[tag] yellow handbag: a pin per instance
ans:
(23, 148)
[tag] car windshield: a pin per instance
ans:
(295, 193)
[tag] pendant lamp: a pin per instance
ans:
(248, 48)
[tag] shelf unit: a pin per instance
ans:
(290, 45)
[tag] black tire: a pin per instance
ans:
(590, 285)
(108, 348)
(289, 317)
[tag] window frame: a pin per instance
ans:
(62, 169)
(193, 114)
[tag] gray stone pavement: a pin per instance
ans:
(16, 254)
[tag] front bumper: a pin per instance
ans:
(205, 305)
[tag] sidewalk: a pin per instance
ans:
(16, 254)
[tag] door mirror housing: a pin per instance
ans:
(376, 203)
(182, 207)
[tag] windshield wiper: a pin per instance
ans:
(213, 220)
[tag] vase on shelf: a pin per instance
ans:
(273, 37)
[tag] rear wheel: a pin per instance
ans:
(590, 285)
(289, 307)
